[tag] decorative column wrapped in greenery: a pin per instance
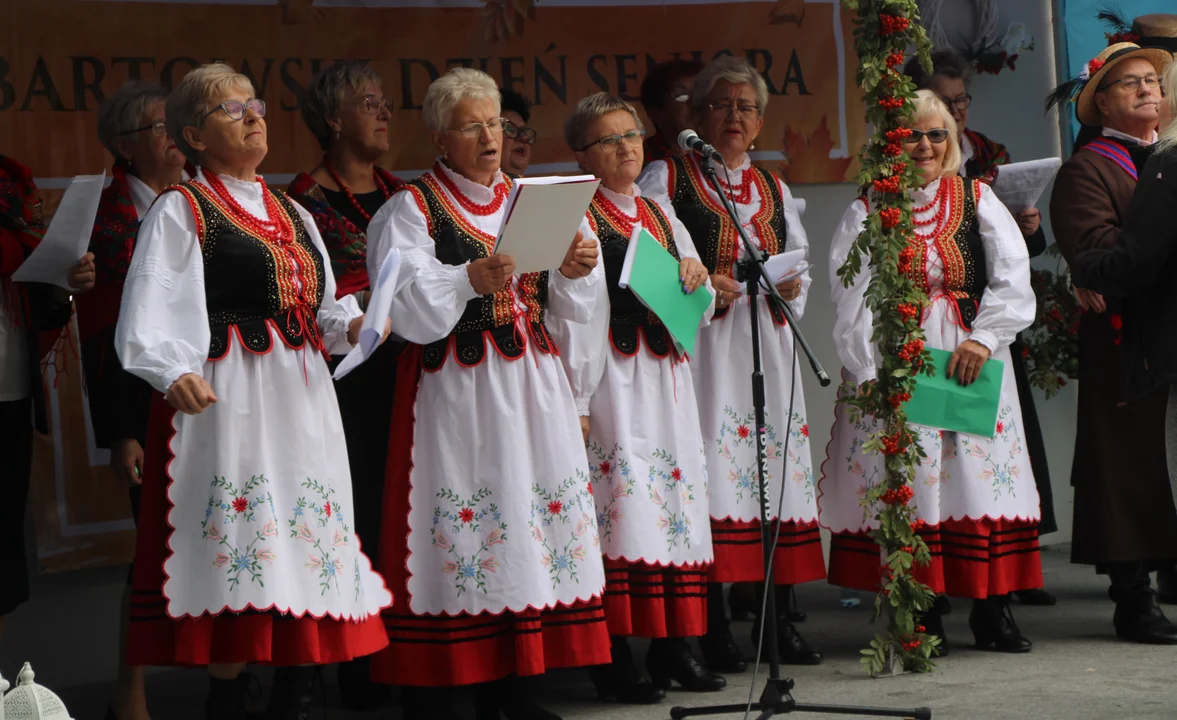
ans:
(884, 31)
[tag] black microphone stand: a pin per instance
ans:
(777, 698)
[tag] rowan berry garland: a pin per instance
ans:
(884, 31)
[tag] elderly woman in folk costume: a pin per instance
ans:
(490, 537)
(131, 127)
(982, 158)
(974, 496)
(346, 110)
(246, 549)
(666, 95)
(728, 100)
(644, 445)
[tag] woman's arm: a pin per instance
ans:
(1008, 304)
(854, 321)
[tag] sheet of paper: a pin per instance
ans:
(652, 273)
(542, 217)
(68, 236)
(941, 402)
(784, 266)
(1020, 185)
(379, 307)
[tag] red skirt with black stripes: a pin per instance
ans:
(654, 601)
(448, 650)
(970, 558)
(739, 554)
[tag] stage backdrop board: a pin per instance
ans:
(60, 58)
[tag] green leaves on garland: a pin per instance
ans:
(884, 30)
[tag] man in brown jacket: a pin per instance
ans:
(1125, 522)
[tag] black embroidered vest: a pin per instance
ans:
(627, 315)
(251, 283)
(712, 230)
(961, 249)
(456, 242)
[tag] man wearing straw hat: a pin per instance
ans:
(1125, 522)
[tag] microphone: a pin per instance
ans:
(690, 140)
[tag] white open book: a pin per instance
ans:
(541, 219)
(1019, 185)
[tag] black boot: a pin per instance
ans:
(992, 623)
(933, 622)
(1040, 597)
(356, 688)
(1139, 618)
(721, 654)
(227, 699)
(622, 681)
(1167, 585)
(508, 698)
(293, 692)
(670, 659)
(791, 647)
(428, 703)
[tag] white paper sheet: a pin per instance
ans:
(375, 319)
(68, 236)
(1019, 185)
(542, 217)
(784, 266)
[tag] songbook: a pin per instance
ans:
(375, 320)
(541, 220)
(652, 273)
(1019, 185)
(68, 236)
(784, 266)
(941, 402)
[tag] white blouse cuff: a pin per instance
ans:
(582, 406)
(986, 338)
(459, 278)
(862, 376)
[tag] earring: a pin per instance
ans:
(752, 146)
(336, 134)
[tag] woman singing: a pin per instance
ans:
(346, 110)
(490, 537)
(975, 494)
(635, 392)
(729, 99)
(246, 550)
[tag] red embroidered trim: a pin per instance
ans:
(501, 190)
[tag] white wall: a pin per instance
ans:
(1007, 108)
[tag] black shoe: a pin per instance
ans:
(720, 653)
(933, 623)
(293, 692)
(622, 681)
(670, 659)
(791, 647)
(1140, 620)
(1167, 586)
(428, 703)
(992, 623)
(788, 609)
(227, 699)
(1038, 598)
(508, 698)
(356, 688)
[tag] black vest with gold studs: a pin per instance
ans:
(961, 249)
(238, 300)
(628, 317)
(456, 242)
(712, 230)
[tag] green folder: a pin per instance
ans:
(941, 402)
(652, 273)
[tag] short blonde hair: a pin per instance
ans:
(190, 101)
(1168, 139)
(929, 106)
(736, 72)
(591, 109)
(457, 85)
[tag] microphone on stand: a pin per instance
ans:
(690, 140)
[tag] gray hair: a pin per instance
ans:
(929, 105)
(588, 111)
(1168, 139)
(736, 72)
(190, 100)
(126, 111)
(457, 85)
(327, 91)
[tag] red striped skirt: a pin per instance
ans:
(970, 558)
(739, 557)
(655, 602)
(444, 650)
(270, 638)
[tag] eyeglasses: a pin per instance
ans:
(158, 129)
(523, 133)
(1132, 83)
(935, 136)
(473, 130)
(235, 109)
(375, 105)
(960, 102)
(681, 98)
(612, 142)
(725, 108)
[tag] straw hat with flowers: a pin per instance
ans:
(1081, 90)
